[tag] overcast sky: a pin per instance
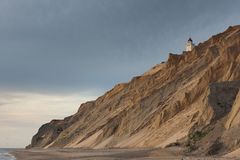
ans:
(56, 54)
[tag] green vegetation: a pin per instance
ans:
(198, 135)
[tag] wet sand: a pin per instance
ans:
(104, 154)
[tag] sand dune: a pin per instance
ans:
(191, 100)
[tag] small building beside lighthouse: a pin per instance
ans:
(189, 45)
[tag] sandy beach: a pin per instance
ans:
(106, 154)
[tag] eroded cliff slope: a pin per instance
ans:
(190, 100)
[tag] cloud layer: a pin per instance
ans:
(81, 44)
(21, 114)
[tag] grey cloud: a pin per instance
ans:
(87, 44)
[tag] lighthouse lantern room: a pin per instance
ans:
(189, 45)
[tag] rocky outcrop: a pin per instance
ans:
(183, 101)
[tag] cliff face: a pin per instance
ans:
(189, 100)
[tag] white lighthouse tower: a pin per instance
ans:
(189, 45)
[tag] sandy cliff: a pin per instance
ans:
(191, 100)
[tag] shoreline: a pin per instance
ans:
(6, 154)
(10, 154)
(105, 154)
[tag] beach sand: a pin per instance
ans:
(104, 154)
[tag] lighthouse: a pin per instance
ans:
(189, 45)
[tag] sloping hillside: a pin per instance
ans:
(192, 100)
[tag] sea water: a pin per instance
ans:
(5, 154)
